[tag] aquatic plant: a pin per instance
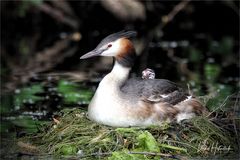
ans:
(74, 135)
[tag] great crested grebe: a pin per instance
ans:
(121, 101)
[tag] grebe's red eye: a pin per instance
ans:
(109, 45)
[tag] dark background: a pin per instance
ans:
(209, 30)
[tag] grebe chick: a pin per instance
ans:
(121, 101)
(148, 74)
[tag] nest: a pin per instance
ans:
(75, 136)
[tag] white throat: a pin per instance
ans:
(119, 72)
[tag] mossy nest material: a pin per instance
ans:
(75, 135)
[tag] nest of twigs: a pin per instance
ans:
(73, 135)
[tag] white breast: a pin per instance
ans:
(106, 106)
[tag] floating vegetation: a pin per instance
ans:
(63, 92)
(72, 93)
(27, 95)
(73, 135)
(36, 102)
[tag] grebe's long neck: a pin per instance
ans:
(119, 73)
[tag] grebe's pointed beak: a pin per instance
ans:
(91, 54)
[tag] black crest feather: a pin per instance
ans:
(113, 37)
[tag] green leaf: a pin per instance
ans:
(27, 124)
(65, 86)
(147, 142)
(126, 130)
(68, 150)
(27, 95)
(72, 93)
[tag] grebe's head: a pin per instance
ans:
(116, 45)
